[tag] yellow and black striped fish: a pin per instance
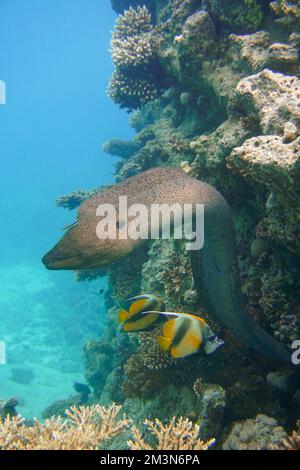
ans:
(187, 334)
(136, 317)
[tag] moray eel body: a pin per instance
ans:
(215, 267)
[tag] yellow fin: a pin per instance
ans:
(168, 328)
(163, 342)
(123, 315)
(137, 306)
(140, 324)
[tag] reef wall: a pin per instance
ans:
(212, 87)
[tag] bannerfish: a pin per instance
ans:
(215, 266)
(187, 334)
(134, 318)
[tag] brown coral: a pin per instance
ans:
(85, 429)
(178, 434)
(292, 442)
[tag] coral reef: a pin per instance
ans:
(121, 148)
(245, 14)
(90, 428)
(261, 433)
(85, 429)
(177, 435)
(213, 94)
(134, 53)
(292, 442)
(73, 200)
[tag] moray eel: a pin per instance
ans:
(215, 267)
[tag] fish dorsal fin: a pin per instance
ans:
(137, 306)
(163, 342)
(168, 329)
(140, 324)
(123, 315)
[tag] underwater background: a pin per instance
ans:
(99, 92)
(55, 63)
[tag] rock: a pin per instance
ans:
(196, 42)
(271, 98)
(261, 433)
(250, 51)
(270, 161)
(212, 404)
(211, 150)
(274, 164)
(254, 52)
(22, 376)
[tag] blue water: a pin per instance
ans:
(55, 62)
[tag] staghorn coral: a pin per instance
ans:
(84, 429)
(292, 442)
(178, 434)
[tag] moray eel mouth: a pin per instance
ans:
(56, 260)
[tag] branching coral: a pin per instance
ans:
(178, 434)
(87, 428)
(292, 442)
(84, 429)
(134, 50)
(131, 93)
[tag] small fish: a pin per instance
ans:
(187, 334)
(136, 317)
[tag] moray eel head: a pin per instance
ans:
(70, 253)
(81, 248)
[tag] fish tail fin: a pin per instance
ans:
(123, 315)
(164, 342)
